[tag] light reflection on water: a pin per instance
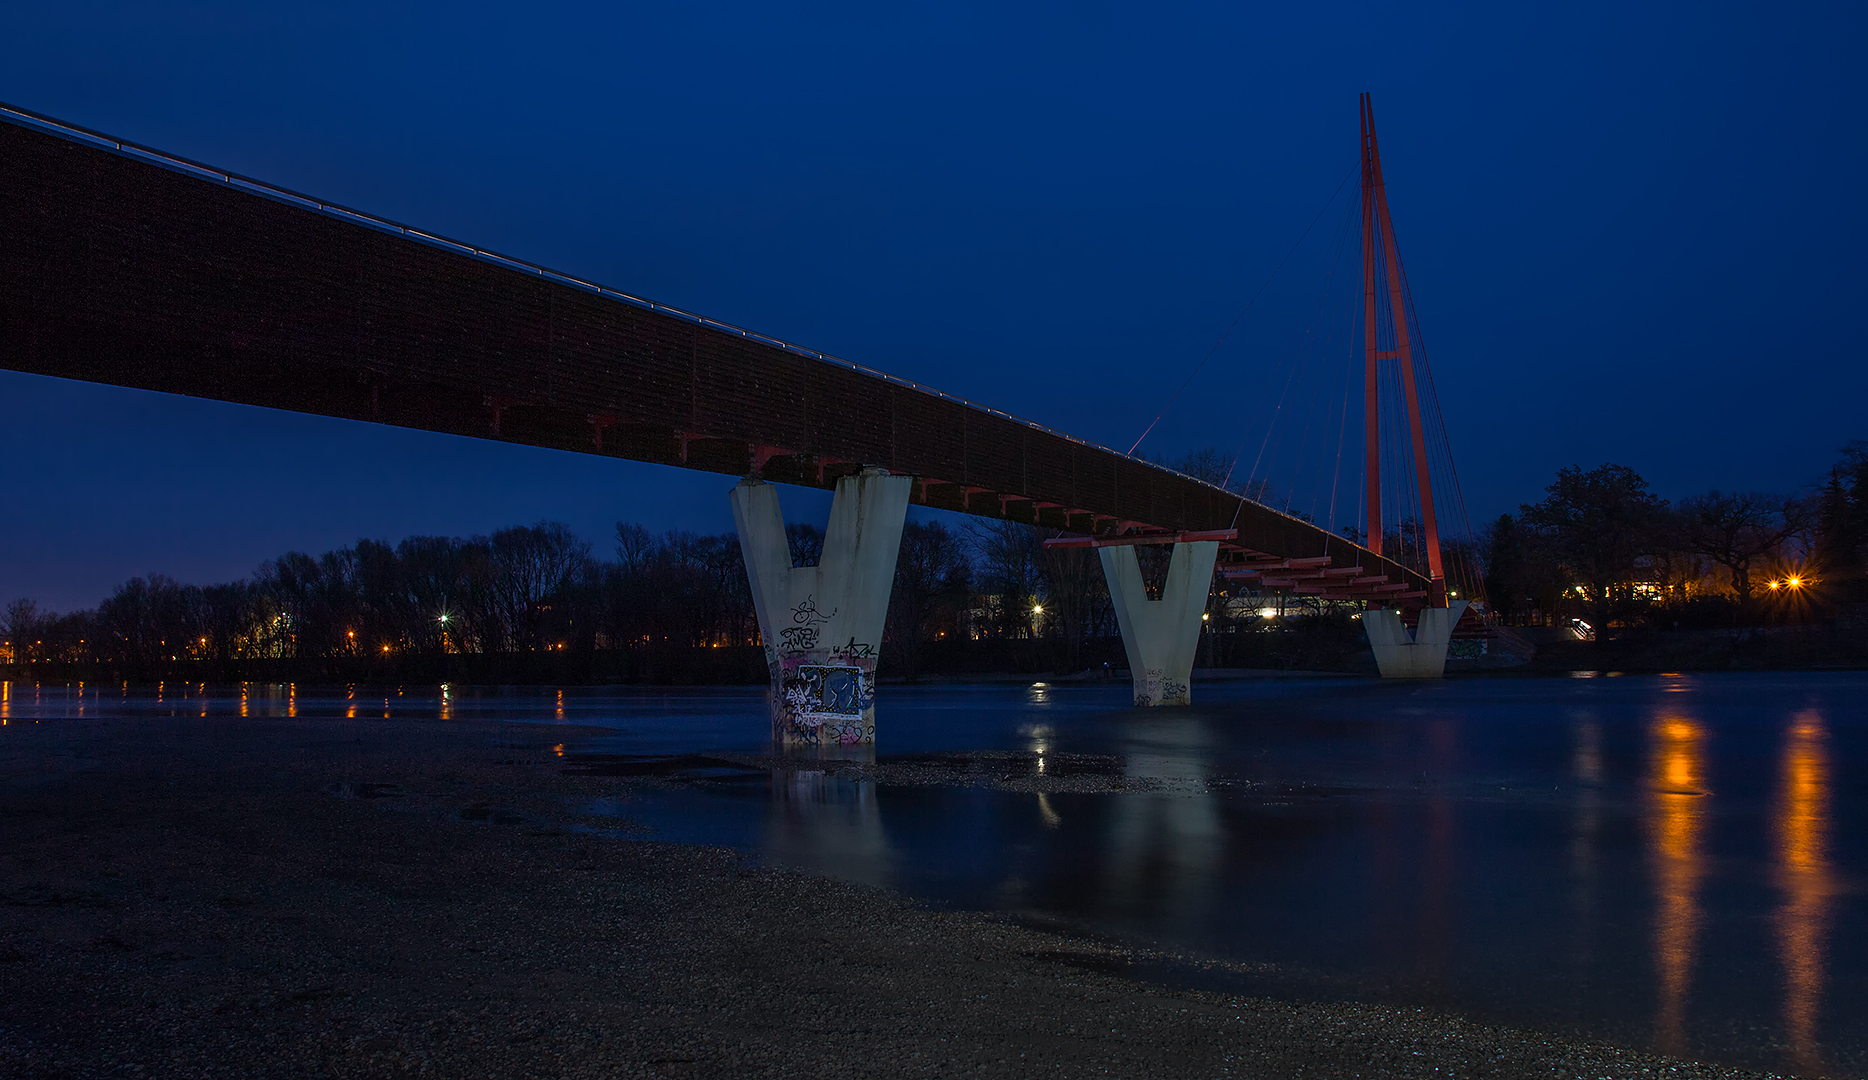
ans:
(1671, 862)
(1586, 770)
(1675, 821)
(1802, 828)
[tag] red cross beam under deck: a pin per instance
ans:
(1148, 538)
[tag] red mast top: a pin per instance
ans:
(1378, 232)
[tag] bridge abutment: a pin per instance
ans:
(1161, 636)
(822, 625)
(1420, 656)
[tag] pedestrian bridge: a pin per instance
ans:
(123, 265)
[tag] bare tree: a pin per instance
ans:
(1008, 568)
(1221, 470)
(22, 621)
(227, 621)
(806, 543)
(1598, 524)
(531, 565)
(1076, 597)
(1206, 464)
(1734, 530)
(634, 546)
(931, 566)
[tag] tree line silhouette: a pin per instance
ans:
(541, 589)
(1604, 547)
(1600, 545)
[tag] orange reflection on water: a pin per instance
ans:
(1436, 866)
(1801, 824)
(1676, 827)
(1586, 767)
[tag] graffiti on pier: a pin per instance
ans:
(805, 629)
(1153, 688)
(826, 704)
(854, 650)
(806, 612)
(823, 696)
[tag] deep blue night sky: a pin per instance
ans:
(1632, 232)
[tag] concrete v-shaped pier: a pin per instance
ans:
(822, 625)
(1162, 635)
(1419, 656)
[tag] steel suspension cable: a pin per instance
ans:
(1271, 424)
(1338, 246)
(1242, 314)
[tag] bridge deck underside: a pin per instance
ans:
(114, 269)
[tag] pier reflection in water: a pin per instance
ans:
(1668, 861)
(1655, 861)
(822, 822)
(1587, 775)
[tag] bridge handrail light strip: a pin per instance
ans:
(77, 133)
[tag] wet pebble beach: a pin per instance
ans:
(338, 898)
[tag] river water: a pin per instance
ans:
(1672, 862)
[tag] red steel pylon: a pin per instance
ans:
(1378, 230)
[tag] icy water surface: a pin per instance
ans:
(1669, 861)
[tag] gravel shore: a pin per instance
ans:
(309, 898)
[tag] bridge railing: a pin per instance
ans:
(76, 133)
